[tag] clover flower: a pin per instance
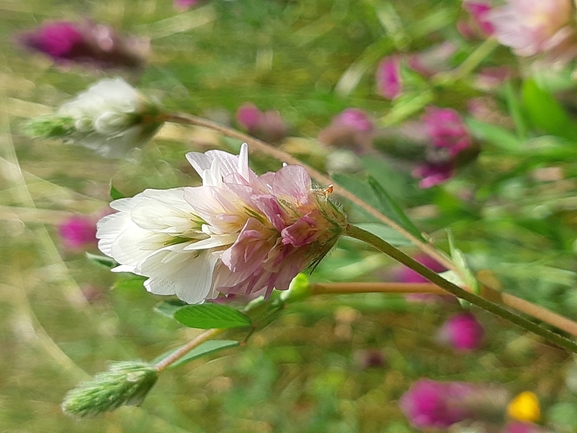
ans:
(432, 404)
(237, 234)
(86, 42)
(111, 118)
(352, 129)
(462, 331)
(266, 125)
(448, 137)
(78, 232)
(532, 27)
(388, 77)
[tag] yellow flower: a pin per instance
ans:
(524, 407)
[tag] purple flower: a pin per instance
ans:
(462, 331)
(388, 77)
(85, 42)
(266, 125)
(350, 129)
(78, 232)
(437, 404)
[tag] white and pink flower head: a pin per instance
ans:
(238, 233)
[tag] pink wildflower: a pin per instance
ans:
(462, 331)
(350, 129)
(532, 27)
(86, 42)
(78, 232)
(433, 60)
(431, 404)
(388, 77)
(238, 233)
(266, 125)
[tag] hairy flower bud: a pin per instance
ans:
(123, 383)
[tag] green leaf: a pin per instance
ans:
(390, 207)
(206, 348)
(375, 196)
(462, 266)
(496, 135)
(514, 106)
(105, 261)
(115, 194)
(130, 282)
(545, 112)
(206, 316)
(168, 308)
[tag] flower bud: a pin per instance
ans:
(111, 118)
(463, 332)
(123, 383)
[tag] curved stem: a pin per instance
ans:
(480, 302)
(175, 356)
(262, 147)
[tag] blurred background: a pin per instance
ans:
(285, 70)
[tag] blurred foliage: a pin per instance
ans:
(513, 213)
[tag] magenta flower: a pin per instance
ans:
(388, 77)
(407, 275)
(78, 232)
(85, 42)
(431, 404)
(238, 233)
(532, 27)
(462, 331)
(266, 125)
(350, 129)
(446, 129)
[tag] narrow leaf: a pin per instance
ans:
(494, 134)
(206, 316)
(115, 194)
(105, 261)
(390, 207)
(385, 233)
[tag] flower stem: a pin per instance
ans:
(474, 299)
(175, 356)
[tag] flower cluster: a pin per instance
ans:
(111, 118)
(238, 233)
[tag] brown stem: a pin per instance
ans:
(175, 356)
(506, 299)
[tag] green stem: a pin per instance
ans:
(480, 302)
(469, 64)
